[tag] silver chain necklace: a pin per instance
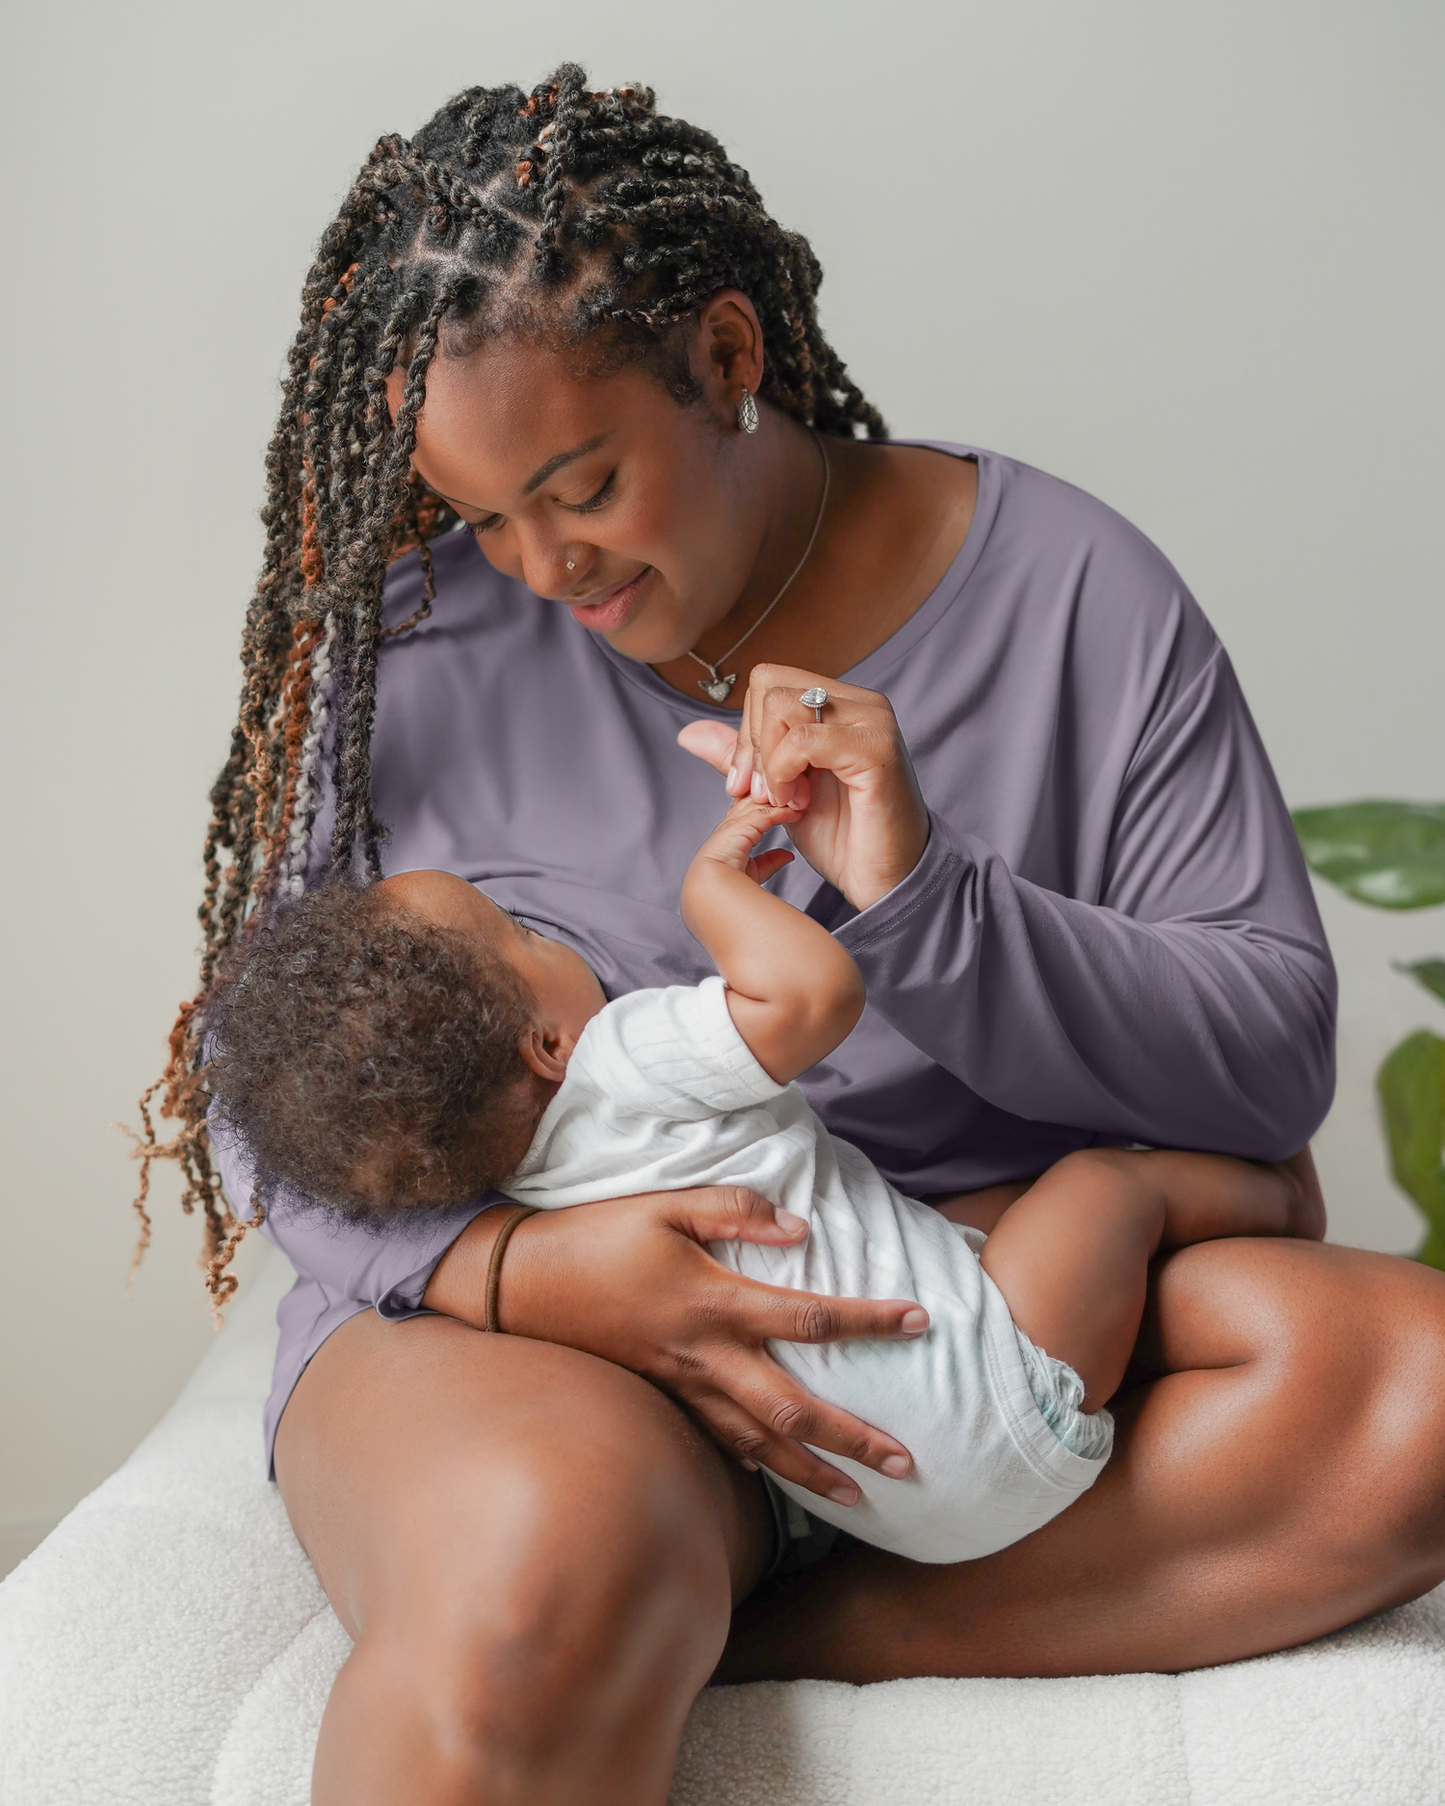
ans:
(718, 686)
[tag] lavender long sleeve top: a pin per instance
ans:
(1110, 935)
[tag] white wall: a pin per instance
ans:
(1188, 257)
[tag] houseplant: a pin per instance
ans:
(1391, 855)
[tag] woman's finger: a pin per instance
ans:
(754, 1445)
(775, 1314)
(732, 1213)
(714, 742)
(765, 681)
(847, 748)
(790, 1414)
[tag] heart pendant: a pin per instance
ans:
(719, 688)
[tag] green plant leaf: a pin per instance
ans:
(1411, 1084)
(1429, 972)
(1388, 854)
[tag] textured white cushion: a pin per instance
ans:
(169, 1645)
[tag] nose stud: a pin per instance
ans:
(571, 565)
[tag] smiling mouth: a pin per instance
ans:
(615, 608)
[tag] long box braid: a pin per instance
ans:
(586, 216)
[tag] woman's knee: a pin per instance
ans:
(1401, 1423)
(577, 1613)
(511, 1530)
(1335, 1356)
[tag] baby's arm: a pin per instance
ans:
(793, 992)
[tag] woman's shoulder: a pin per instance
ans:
(1055, 554)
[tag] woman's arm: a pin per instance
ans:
(630, 1281)
(1190, 1005)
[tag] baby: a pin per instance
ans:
(412, 1044)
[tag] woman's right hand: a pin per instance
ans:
(631, 1280)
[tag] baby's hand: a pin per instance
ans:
(732, 841)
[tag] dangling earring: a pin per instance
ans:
(747, 414)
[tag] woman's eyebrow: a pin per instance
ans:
(553, 465)
(538, 477)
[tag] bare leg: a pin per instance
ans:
(981, 1209)
(1287, 1477)
(536, 1552)
(1072, 1255)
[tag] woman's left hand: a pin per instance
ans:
(864, 825)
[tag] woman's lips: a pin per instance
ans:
(614, 610)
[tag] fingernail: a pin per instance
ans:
(751, 1466)
(786, 1219)
(914, 1322)
(759, 788)
(895, 1466)
(844, 1495)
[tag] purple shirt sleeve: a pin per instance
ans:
(1191, 1006)
(385, 1270)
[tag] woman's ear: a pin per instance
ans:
(729, 351)
(547, 1055)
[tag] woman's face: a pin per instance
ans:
(602, 493)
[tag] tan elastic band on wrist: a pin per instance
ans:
(518, 1214)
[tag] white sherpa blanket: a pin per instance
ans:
(169, 1645)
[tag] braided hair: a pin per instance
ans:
(586, 219)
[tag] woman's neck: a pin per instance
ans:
(896, 517)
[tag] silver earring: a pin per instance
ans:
(747, 414)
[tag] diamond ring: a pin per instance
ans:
(815, 699)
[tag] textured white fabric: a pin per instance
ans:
(662, 1092)
(168, 1645)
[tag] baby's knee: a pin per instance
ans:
(1110, 1180)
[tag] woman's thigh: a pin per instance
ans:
(1284, 1477)
(536, 1552)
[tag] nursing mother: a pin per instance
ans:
(1039, 817)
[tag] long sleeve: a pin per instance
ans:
(1190, 1004)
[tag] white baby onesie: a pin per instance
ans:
(663, 1093)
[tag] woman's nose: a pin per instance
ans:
(554, 569)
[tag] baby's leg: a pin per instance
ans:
(1072, 1255)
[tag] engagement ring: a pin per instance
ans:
(815, 699)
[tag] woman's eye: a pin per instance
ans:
(603, 495)
(489, 525)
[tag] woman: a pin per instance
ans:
(1037, 814)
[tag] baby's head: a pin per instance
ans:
(394, 1047)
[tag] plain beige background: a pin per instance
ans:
(1186, 256)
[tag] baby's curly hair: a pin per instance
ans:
(369, 1058)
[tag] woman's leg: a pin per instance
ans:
(1285, 1478)
(537, 1555)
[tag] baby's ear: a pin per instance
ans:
(547, 1058)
